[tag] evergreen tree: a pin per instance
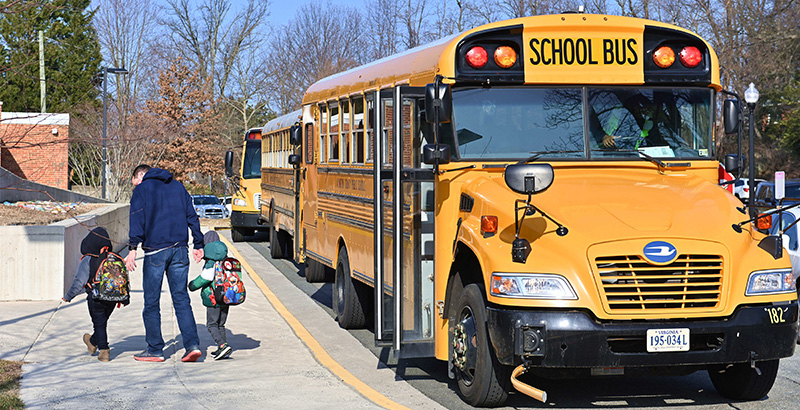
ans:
(71, 51)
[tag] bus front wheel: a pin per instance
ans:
(316, 271)
(739, 381)
(237, 235)
(482, 380)
(349, 297)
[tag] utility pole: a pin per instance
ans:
(42, 83)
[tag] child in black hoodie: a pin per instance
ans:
(99, 310)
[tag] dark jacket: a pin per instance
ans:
(213, 251)
(91, 246)
(161, 211)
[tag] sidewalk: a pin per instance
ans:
(271, 366)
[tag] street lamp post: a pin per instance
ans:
(107, 70)
(751, 98)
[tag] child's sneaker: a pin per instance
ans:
(146, 356)
(87, 339)
(222, 352)
(191, 355)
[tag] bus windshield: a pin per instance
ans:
(251, 167)
(582, 123)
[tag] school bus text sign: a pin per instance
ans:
(578, 59)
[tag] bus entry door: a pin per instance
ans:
(404, 215)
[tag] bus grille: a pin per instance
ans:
(631, 283)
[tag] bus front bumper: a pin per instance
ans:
(573, 339)
(248, 220)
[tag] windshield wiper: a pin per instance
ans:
(648, 157)
(537, 154)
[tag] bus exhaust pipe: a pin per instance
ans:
(523, 388)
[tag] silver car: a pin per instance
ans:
(208, 206)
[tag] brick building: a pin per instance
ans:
(35, 147)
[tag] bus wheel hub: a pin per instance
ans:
(460, 346)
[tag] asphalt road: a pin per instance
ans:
(429, 376)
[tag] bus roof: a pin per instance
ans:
(284, 121)
(418, 66)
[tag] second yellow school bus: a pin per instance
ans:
(541, 193)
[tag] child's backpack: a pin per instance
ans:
(111, 282)
(228, 285)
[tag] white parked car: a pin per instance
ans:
(741, 188)
(790, 239)
(226, 200)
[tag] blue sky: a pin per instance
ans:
(282, 10)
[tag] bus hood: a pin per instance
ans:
(610, 205)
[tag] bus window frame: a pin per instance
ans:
(346, 121)
(354, 146)
(386, 131)
(309, 143)
(323, 132)
(369, 126)
(334, 137)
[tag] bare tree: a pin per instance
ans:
(383, 18)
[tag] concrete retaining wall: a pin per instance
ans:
(39, 262)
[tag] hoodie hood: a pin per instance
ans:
(214, 251)
(158, 174)
(96, 240)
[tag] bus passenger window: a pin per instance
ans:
(387, 127)
(345, 140)
(323, 133)
(358, 130)
(333, 137)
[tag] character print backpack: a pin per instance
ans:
(111, 282)
(228, 285)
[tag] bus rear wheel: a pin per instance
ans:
(482, 380)
(277, 243)
(350, 298)
(741, 382)
(316, 271)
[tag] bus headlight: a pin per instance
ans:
(239, 202)
(531, 285)
(770, 281)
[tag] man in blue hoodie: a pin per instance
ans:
(161, 216)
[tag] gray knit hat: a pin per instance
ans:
(210, 236)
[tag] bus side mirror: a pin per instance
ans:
(732, 163)
(529, 178)
(229, 164)
(730, 114)
(295, 135)
(433, 152)
(442, 105)
(294, 159)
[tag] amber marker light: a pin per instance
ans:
(477, 57)
(505, 56)
(488, 224)
(664, 56)
(691, 56)
(764, 222)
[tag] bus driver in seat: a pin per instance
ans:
(629, 121)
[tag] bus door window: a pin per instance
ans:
(358, 130)
(370, 131)
(387, 128)
(309, 143)
(410, 154)
(345, 134)
(335, 129)
(323, 133)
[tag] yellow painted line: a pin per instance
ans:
(321, 354)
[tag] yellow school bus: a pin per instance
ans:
(246, 199)
(540, 194)
(279, 199)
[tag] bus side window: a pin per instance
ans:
(323, 132)
(358, 130)
(309, 143)
(345, 140)
(387, 127)
(335, 128)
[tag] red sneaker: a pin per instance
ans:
(191, 355)
(146, 356)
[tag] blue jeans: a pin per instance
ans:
(175, 262)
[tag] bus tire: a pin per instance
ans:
(349, 297)
(276, 244)
(315, 271)
(482, 380)
(237, 235)
(739, 381)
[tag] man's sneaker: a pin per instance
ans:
(191, 355)
(222, 352)
(87, 338)
(146, 356)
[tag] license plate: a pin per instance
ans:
(667, 340)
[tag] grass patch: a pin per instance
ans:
(10, 373)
